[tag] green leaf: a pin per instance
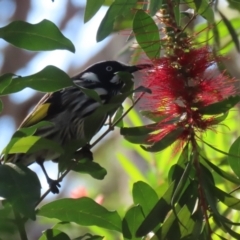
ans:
(138, 131)
(49, 79)
(117, 8)
(220, 118)
(183, 227)
(157, 214)
(23, 132)
(231, 31)
(141, 139)
(91, 168)
(35, 37)
(153, 116)
(176, 10)
(165, 141)
(21, 187)
(83, 211)
(131, 222)
(118, 115)
(92, 8)
(220, 107)
(147, 34)
(144, 195)
(31, 144)
(222, 173)
(181, 184)
(54, 234)
(234, 161)
(203, 8)
(28, 131)
(91, 93)
(5, 80)
(227, 199)
(154, 6)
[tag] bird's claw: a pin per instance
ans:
(54, 185)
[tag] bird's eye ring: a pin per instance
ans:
(109, 68)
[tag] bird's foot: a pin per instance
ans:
(54, 185)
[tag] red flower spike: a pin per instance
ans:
(181, 84)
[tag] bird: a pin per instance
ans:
(68, 108)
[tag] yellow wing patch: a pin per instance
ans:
(36, 115)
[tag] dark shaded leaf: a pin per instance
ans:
(137, 131)
(153, 116)
(234, 161)
(131, 222)
(177, 170)
(227, 199)
(35, 37)
(141, 139)
(147, 34)
(117, 8)
(157, 214)
(83, 211)
(89, 236)
(222, 173)
(92, 8)
(176, 10)
(91, 168)
(21, 187)
(203, 8)
(165, 141)
(144, 195)
(220, 107)
(154, 6)
(221, 118)
(6, 212)
(183, 228)
(49, 79)
(182, 183)
(231, 31)
(70, 152)
(54, 234)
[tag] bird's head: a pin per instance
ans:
(105, 72)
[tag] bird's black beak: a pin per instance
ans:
(132, 69)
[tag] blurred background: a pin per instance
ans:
(115, 189)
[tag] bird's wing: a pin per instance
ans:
(52, 104)
(47, 107)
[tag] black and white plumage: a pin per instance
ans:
(68, 108)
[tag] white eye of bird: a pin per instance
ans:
(109, 68)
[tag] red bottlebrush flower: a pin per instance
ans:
(181, 84)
